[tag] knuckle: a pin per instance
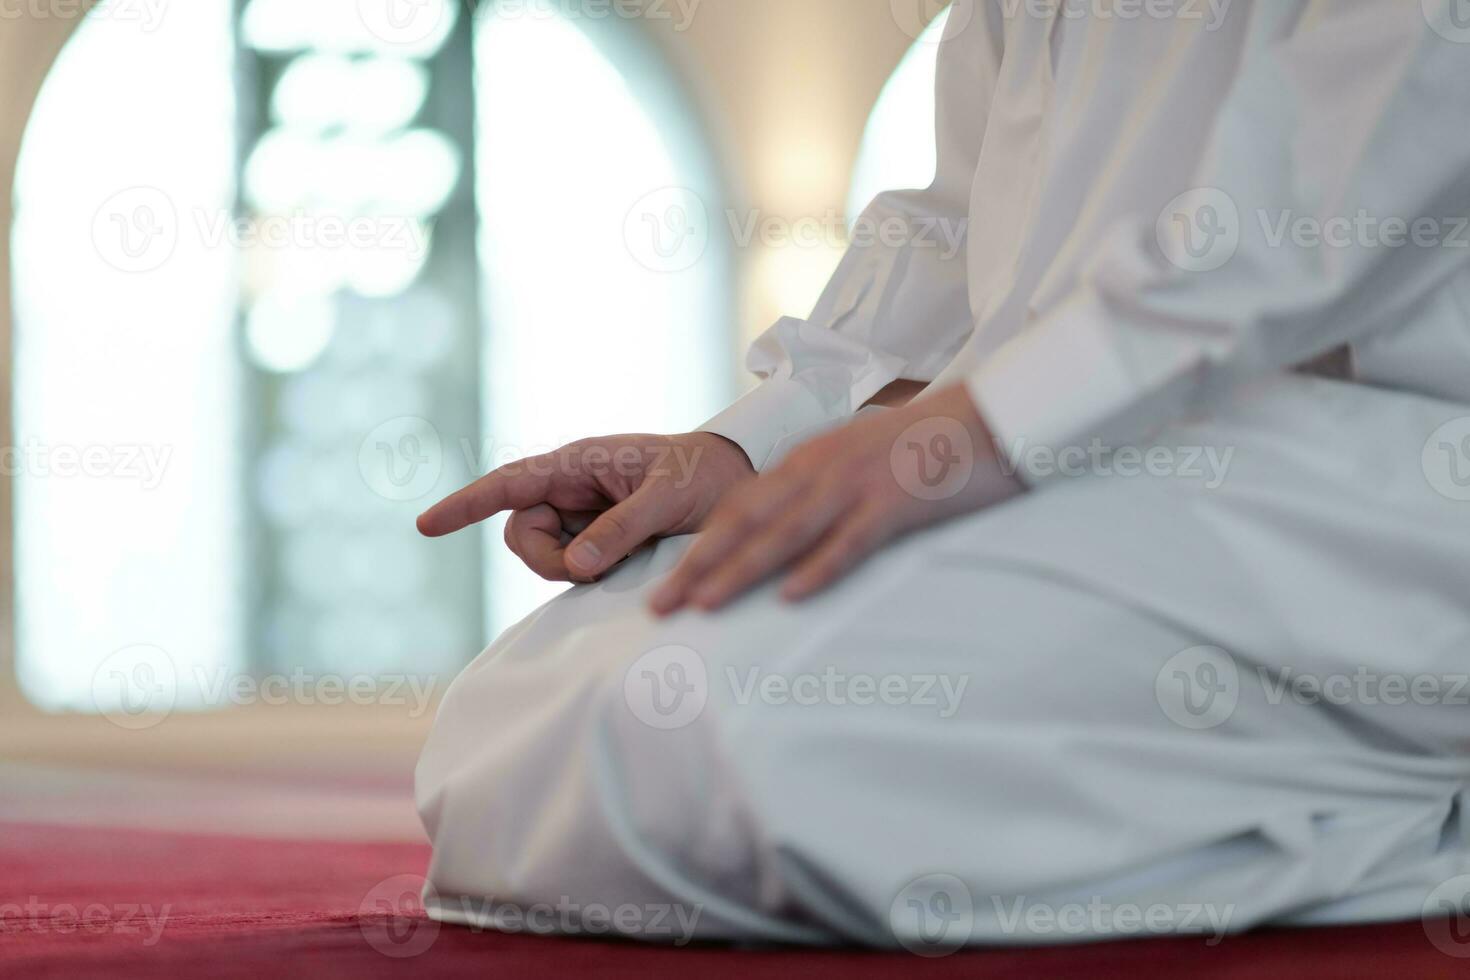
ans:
(764, 554)
(696, 563)
(743, 570)
(728, 518)
(845, 550)
(613, 526)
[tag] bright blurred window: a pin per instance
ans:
(898, 149)
(605, 295)
(265, 410)
(128, 485)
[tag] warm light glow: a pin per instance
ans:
(791, 278)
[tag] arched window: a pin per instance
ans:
(129, 488)
(898, 148)
(606, 298)
(289, 274)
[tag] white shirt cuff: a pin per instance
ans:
(767, 416)
(1060, 387)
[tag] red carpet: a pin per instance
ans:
(132, 904)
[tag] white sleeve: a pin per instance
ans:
(898, 305)
(1356, 116)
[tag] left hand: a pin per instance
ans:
(839, 497)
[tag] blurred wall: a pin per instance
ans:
(786, 87)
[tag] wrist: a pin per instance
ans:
(990, 481)
(727, 451)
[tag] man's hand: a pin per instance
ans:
(580, 510)
(838, 498)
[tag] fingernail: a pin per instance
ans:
(586, 555)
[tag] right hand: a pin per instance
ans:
(578, 511)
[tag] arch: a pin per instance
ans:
(191, 568)
(101, 192)
(604, 243)
(898, 149)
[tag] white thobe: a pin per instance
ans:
(1210, 693)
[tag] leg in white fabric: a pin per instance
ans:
(1001, 730)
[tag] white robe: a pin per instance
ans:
(1208, 680)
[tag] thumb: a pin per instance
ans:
(616, 533)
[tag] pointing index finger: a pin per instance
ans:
(515, 486)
